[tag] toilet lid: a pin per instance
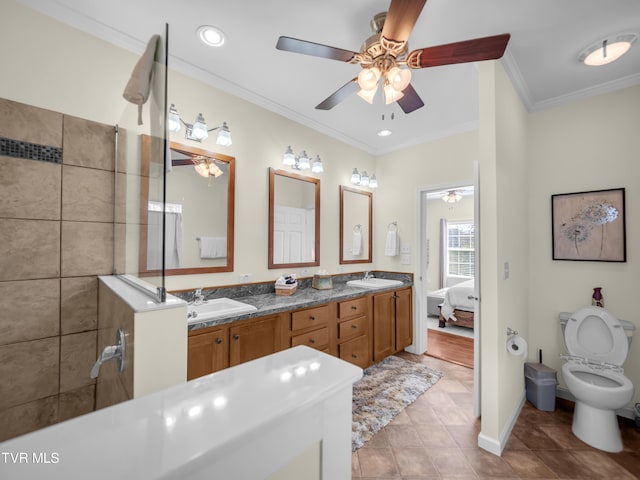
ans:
(594, 333)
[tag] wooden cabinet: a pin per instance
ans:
(360, 330)
(392, 322)
(353, 331)
(208, 351)
(254, 339)
(310, 327)
(404, 319)
(214, 348)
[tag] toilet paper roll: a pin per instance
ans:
(516, 345)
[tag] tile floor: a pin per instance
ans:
(436, 438)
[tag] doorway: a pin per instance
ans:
(447, 256)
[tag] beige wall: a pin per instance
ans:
(589, 145)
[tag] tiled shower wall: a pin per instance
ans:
(56, 236)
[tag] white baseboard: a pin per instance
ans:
(496, 446)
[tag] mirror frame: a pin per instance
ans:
(144, 199)
(344, 189)
(316, 182)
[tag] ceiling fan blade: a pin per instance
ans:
(339, 95)
(401, 18)
(410, 101)
(478, 49)
(315, 49)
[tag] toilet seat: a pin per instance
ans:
(596, 336)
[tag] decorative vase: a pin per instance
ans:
(596, 298)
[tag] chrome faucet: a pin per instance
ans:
(367, 276)
(198, 297)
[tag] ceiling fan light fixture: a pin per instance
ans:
(391, 94)
(368, 78)
(399, 78)
(607, 50)
(211, 36)
(451, 197)
(367, 95)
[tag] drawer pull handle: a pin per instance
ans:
(353, 307)
(354, 355)
(312, 340)
(312, 317)
(236, 337)
(354, 326)
(218, 340)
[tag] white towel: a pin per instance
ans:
(213, 247)
(356, 245)
(137, 89)
(392, 246)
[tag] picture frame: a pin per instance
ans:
(589, 226)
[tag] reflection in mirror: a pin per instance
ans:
(356, 214)
(294, 220)
(198, 214)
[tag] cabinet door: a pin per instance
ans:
(404, 319)
(207, 353)
(254, 339)
(384, 331)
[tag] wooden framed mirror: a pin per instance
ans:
(199, 211)
(356, 225)
(294, 220)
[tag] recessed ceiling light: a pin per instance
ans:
(384, 133)
(212, 36)
(607, 50)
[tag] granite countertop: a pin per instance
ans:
(270, 303)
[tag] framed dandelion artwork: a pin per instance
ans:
(589, 226)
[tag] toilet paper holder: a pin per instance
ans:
(511, 332)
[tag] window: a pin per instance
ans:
(461, 248)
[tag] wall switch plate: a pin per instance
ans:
(405, 259)
(405, 249)
(245, 277)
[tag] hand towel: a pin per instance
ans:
(137, 89)
(213, 247)
(356, 245)
(392, 245)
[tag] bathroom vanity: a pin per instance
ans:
(358, 325)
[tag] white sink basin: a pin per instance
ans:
(374, 283)
(217, 308)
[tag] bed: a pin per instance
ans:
(453, 305)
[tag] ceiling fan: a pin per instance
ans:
(385, 53)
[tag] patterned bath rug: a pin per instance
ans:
(384, 390)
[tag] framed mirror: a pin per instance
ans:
(356, 224)
(200, 196)
(294, 220)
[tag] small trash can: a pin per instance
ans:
(540, 384)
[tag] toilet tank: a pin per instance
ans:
(627, 326)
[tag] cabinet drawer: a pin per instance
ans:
(317, 339)
(356, 351)
(310, 317)
(350, 308)
(352, 328)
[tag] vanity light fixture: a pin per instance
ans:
(302, 161)
(198, 130)
(607, 50)
(364, 180)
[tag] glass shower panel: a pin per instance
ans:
(141, 174)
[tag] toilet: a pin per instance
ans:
(597, 345)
